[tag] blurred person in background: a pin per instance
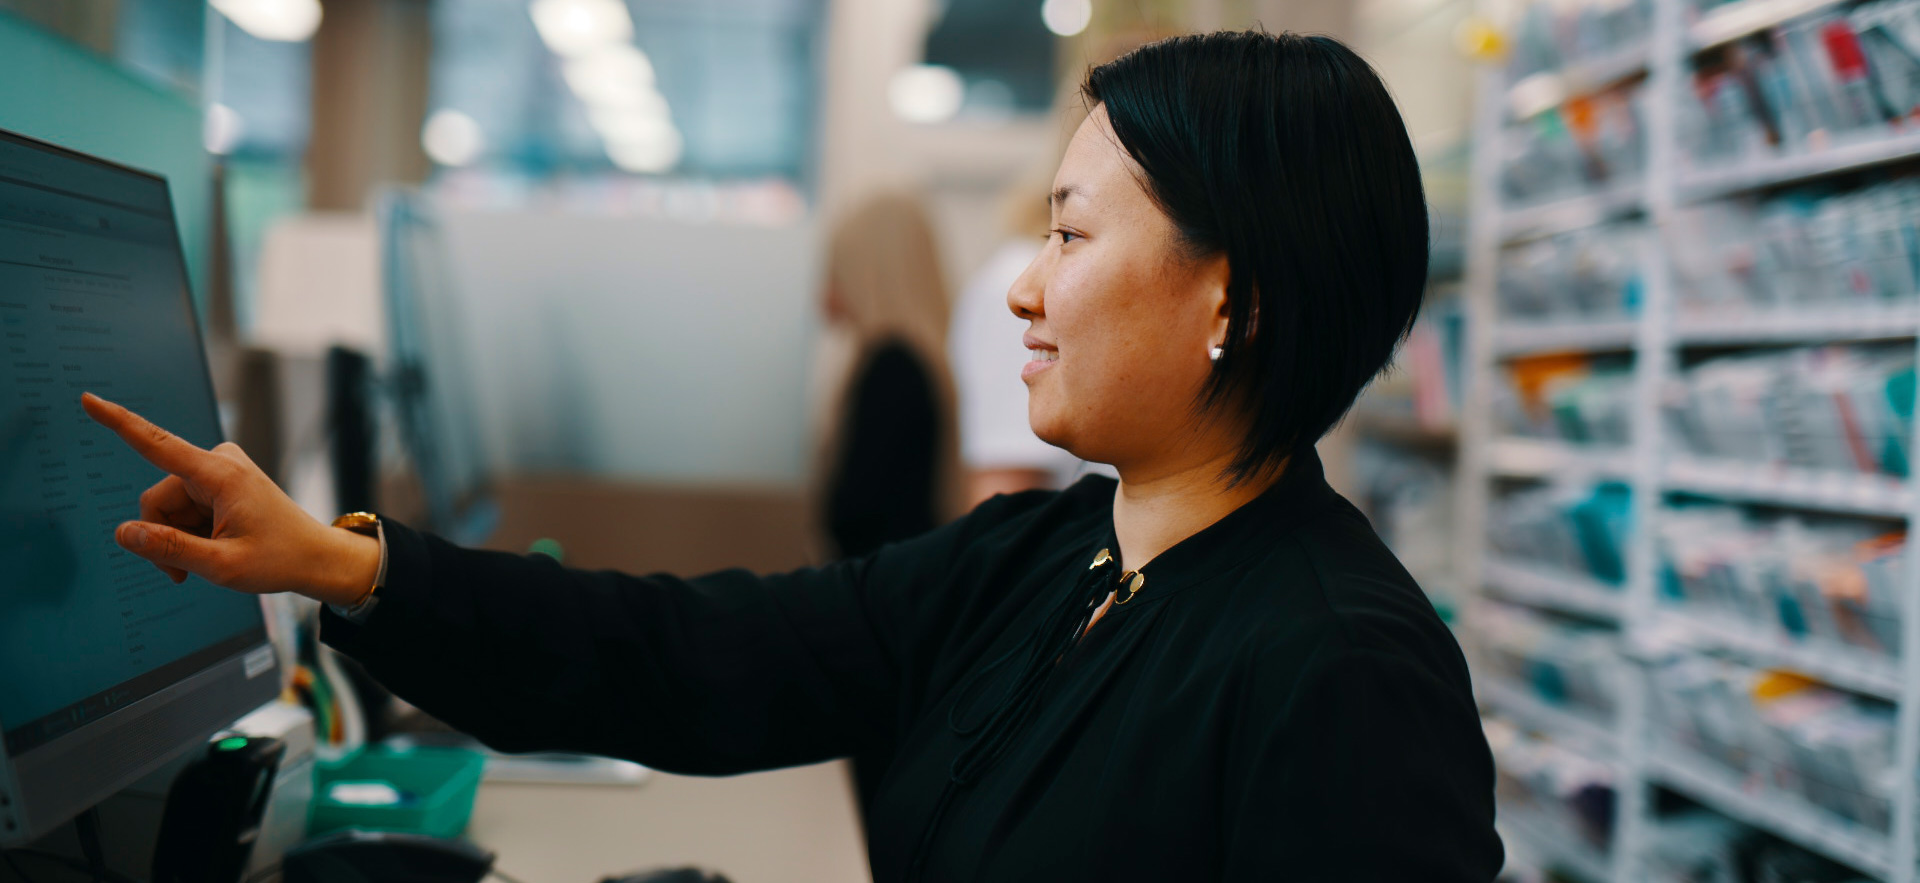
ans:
(1209, 669)
(887, 466)
(888, 456)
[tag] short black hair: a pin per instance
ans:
(1286, 154)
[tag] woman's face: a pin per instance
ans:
(1121, 319)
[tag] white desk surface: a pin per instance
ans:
(786, 826)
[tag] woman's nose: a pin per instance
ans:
(1027, 296)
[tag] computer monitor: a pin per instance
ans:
(107, 669)
(431, 378)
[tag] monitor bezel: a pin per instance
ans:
(466, 515)
(28, 814)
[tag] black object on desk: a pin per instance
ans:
(675, 875)
(358, 856)
(213, 812)
(350, 422)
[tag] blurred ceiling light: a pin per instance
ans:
(926, 93)
(656, 153)
(1067, 17)
(628, 126)
(222, 130)
(285, 21)
(452, 138)
(617, 75)
(573, 28)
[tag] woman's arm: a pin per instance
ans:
(722, 673)
(1362, 769)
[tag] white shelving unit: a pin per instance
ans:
(1844, 493)
(1596, 736)
(1524, 338)
(1566, 593)
(1554, 846)
(1845, 667)
(1784, 815)
(1654, 466)
(1790, 326)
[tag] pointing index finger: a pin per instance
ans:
(160, 447)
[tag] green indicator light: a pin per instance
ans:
(231, 743)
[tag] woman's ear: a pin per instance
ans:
(1215, 274)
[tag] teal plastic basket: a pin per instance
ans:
(440, 784)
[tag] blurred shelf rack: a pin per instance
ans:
(1848, 668)
(1733, 21)
(1521, 338)
(1802, 325)
(1543, 587)
(1516, 457)
(1784, 815)
(1792, 168)
(1403, 429)
(1841, 492)
(1655, 339)
(1553, 846)
(1541, 92)
(1535, 713)
(1571, 213)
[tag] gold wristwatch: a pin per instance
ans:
(365, 524)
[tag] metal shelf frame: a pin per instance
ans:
(1562, 592)
(1555, 846)
(1654, 464)
(1540, 715)
(1849, 668)
(1782, 814)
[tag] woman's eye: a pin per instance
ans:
(1067, 236)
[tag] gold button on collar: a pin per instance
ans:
(1101, 560)
(1130, 585)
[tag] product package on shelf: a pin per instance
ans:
(1808, 248)
(1591, 273)
(1573, 398)
(1781, 732)
(1549, 789)
(1423, 386)
(1572, 526)
(1846, 409)
(1696, 845)
(1552, 36)
(1570, 665)
(1585, 144)
(1409, 500)
(1823, 582)
(1831, 75)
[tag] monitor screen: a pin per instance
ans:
(433, 392)
(93, 297)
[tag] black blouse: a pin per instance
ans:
(1277, 702)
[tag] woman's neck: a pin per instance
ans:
(1155, 509)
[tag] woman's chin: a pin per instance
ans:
(1049, 429)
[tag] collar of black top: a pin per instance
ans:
(1249, 530)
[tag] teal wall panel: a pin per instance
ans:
(55, 91)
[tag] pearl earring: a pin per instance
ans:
(1214, 353)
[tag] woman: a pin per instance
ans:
(1211, 669)
(889, 458)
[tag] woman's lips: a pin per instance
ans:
(1040, 359)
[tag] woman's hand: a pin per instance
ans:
(216, 515)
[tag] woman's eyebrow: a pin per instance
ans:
(1061, 193)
